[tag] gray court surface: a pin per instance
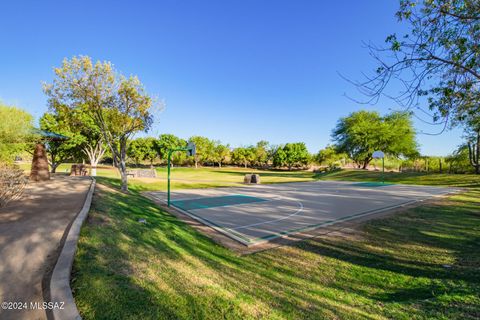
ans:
(259, 213)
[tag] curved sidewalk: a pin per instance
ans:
(31, 230)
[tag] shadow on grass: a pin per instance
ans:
(421, 178)
(164, 269)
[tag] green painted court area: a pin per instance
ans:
(212, 202)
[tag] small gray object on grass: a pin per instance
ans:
(447, 265)
(142, 220)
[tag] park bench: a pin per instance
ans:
(142, 173)
(78, 170)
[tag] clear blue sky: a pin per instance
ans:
(236, 71)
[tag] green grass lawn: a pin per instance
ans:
(201, 178)
(392, 269)
(420, 178)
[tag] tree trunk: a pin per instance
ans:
(54, 166)
(477, 167)
(95, 154)
(122, 165)
(220, 164)
(474, 154)
(365, 164)
(245, 165)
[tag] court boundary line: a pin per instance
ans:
(247, 241)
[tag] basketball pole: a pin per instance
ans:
(191, 150)
(383, 170)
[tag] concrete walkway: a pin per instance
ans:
(31, 230)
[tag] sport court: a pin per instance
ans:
(255, 214)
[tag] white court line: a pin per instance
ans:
(270, 221)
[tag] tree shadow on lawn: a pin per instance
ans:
(418, 255)
(108, 282)
(420, 178)
(272, 281)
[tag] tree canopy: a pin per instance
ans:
(363, 132)
(119, 106)
(15, 129)
(60, 151)
(438, 58)
(143, 149)
(292, 155)
(205, 149)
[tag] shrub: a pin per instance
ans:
(12, 183)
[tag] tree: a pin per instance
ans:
(279, 157)
(243, 156)
(84, 135)
(261, 153)
(143, 149)
(15, 131)
(250, 156)
(329, 156)
(471, 123)
(168, 142)
(363, 132)
(474, 153)
(296, 155)
(238, 156)
(90, 137)
(59, 151)
(459, 161)
(205, 148)
(119, 106)
(221, 153)
(436, 59)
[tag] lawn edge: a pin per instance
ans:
(60, 290)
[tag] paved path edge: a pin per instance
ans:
(60, 290)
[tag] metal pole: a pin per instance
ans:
(168, 183)
(169, 160)
(383, 170)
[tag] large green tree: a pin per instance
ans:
(141, 149)
(119, 106)
(60, 151)
(243, 156)
(168, 142)
(205, 150)
(261, 153)
(363, 132)
(221, 153)
(292, 155)
(15, 131)
(329, 156)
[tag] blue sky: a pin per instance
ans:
(236, 71)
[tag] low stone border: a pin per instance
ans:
(60, 290)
